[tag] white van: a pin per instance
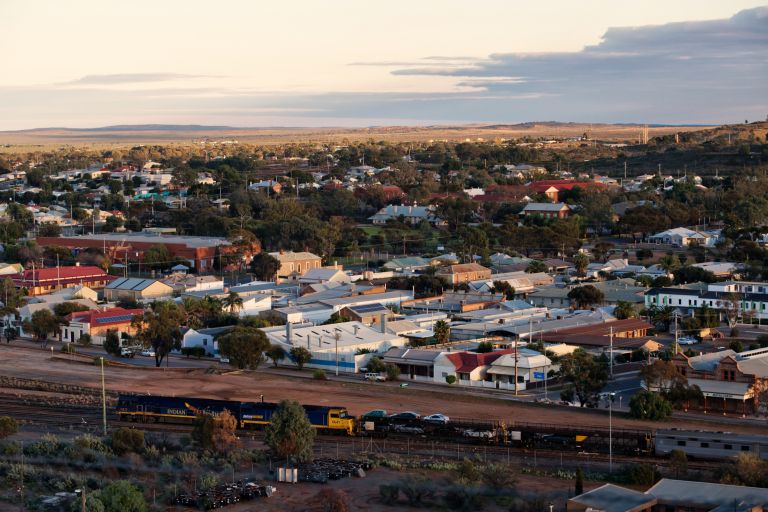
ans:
(376, 377)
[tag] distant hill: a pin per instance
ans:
(165, 133)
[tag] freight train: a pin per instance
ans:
(336, 420)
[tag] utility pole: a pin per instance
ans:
(676, 335)
(103, 397)
(336, 337)
(610, 432)
(610, 361)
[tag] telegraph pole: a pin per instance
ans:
(611, 349)
(103, 397)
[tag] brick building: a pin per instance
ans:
(42, 281)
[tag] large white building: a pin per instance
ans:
(751, 297)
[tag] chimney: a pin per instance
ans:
(356, 328)
(383, 323)
(289, 332)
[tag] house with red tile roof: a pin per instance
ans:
(96, 323)
(46, 280)
(467, 366)
(553, 188)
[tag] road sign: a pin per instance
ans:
(539, 375)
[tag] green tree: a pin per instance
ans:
(668, 263)
(585, 376)
(42, 324)
(581, 261)
(160, 328)
(265, 266)
(233, 303)
(484, 347)
(376, 365)
(244, 346)
(536, 267)
(393, 371)
(122, 496)
(624, 309)
(8, 426)
(678, 460)
(647, 405)
(276, 353)
(112, 343)
(504, 287)
(442, 331)
(586, 296)
(289, 434)
(300, 356)
(202, 432)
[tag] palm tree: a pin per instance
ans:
(581, 262)
(624, 310)
(232, 302)
(668, 263)
(442, 331)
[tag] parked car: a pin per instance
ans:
(375, 414)
(442, 419)
(408, 429)
(127, 352)
(148, 352)
(406, 415)
(687, 340)
(376, 377)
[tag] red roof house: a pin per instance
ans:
(96, 323)
(47, 280)
(473, 365)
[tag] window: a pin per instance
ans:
(704, 445)
(727, 447)
(745, 448)
(681, 443)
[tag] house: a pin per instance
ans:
(469, 367)
(414, 364)
(673, 495)
(252, 303)
(47, 280)
(136, 289)
(410, 214)
(368, 314)
(268, 186)
(295, 264)
(750, 299)
(623, 290)
(684, 237)
(324, 275)
(410, 264)
(463, 273)
(531, 366)
(547, 210)
(183, 283)
(336, 346)
(96, 323)
(522, 282)
(553, 188)
(453, 302)
(205, 338)
(68, 294)
(7, 269)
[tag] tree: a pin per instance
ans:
(484, 347)
(265, 266)
(289, 434)
(224, 428)
(684, 275)
(376, 365)
(668, 263)
(244, 346)
(536, 267)
(624, 310)
(678, 460)
(504, 287)
(585, 296)
(42, 324)
(233, 303)
(393, 371)
(160, 328)
(112, 343)
(581, 261)
(8, 426)
(647, 405)
(300, 356)
(661, 376)
(202, 432)
(442, 331)
(585, 376)
(732, 308)
(332, 500)
(122, 496)
(276, 353)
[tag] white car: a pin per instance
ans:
(687, 340)
(437, 418)
(148, 352)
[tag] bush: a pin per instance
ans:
(450, 379)
(647, 405)
(68, 348)
(463, 500)
(393, 372)
(85, 340)
(467, 471)
(498, 476)
(126, 440)
(736, 346)
(389, 494)
(484, 347)
(640, 474)
(8, 426)
(197, 352)
(376, 365)
(319, 375)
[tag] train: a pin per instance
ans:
(337, 420)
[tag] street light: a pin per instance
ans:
(610, 431)
(103, 397)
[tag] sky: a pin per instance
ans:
(89, 63)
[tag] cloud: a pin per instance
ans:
(131, 78)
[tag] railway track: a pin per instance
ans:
(33, 412)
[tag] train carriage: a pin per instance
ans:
(165, 409)
(710, 445)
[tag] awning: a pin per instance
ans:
(722, 389)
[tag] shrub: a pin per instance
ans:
(463, 500)
(8, 426)
(376, 365)
(498, 476)
(68, 348)
(89, 442)
(84, 340)
(389, 494)
(126, 440)
(393, 372)
(333, 500)
(319, 375)
(450, 379)
(647, 405)
(467, 471)
(640, 474)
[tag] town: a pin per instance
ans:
(331, 256)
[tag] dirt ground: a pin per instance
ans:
(358, 397)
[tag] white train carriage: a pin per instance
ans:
(710, 445)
